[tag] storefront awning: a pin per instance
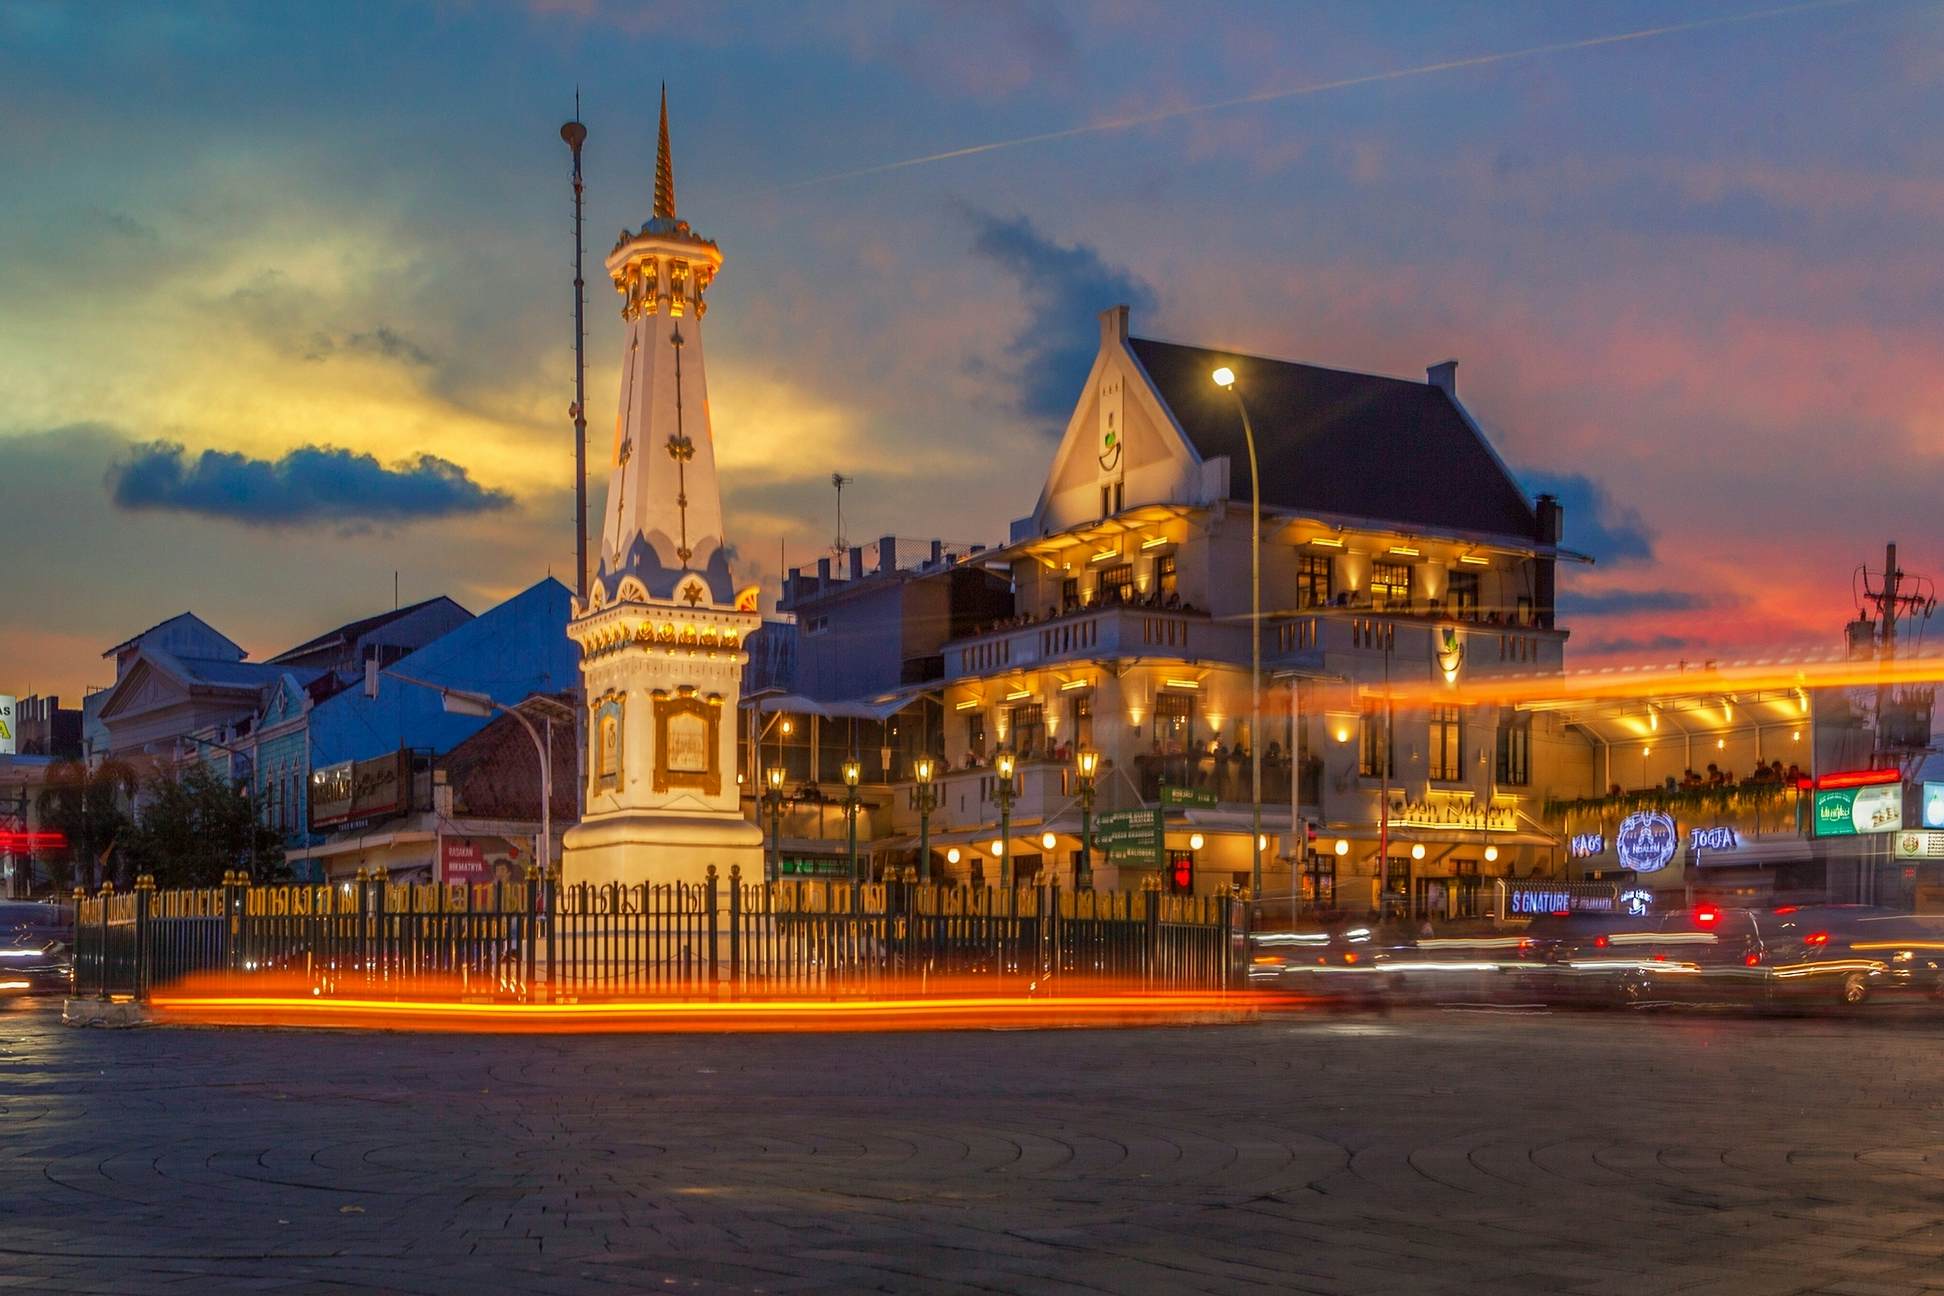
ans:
(879, 707)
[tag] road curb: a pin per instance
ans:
(97, 1012)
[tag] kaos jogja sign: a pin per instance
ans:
(1646, 841)
(1717, 839)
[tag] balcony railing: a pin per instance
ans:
(1114, 630)
(1228, 778)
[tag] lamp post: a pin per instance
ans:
(774, 774)
(1225, 379)
(923, 770)
(1004, 762)
(1086, 764)
(852, 772)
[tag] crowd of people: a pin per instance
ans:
(1110, 597)
(1772, 774)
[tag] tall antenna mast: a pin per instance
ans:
(842, 543)
(576, 135)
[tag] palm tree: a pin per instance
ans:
(89, 805)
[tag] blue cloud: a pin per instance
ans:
(1610, 602)
(1065, 289)
(1595, 523)
(308, 485)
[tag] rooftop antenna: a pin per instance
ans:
(842, 543)
(576, 135)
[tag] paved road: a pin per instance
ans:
(1425, 1152)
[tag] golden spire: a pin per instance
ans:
(664, 168)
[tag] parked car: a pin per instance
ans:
(36, 948)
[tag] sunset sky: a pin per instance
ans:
(1691, 278)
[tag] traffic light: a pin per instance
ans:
(1181, 872)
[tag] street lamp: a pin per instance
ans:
(1004, 762)
(463, 702)
(1086, 764)
(852, 772)
(774, 774)
(1225, 378)
(923, 770)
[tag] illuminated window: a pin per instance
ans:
(1313, 580)
(1117, 583)
(1390, 585)
(1463, 595)
(1069, 594)
(1174, 722)
(1447, 741)
(1164, 575)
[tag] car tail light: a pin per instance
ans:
(1525, 943)
(1816, 940)
(1600, 942)
(1786, 909)
(1750, 960)
(1707, 915)
(1349, 956)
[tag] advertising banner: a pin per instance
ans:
(8, 741)
(1849, 812)
(481, 859)
(1930, 806)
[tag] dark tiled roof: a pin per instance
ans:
(351, 631)
(1351, 444)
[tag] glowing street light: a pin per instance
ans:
(853, 771)
(923, 771)
(1086, 764)
(1225, 379)
(1004, 763)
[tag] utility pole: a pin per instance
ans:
(1896, 595)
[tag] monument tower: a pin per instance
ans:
(660, 632)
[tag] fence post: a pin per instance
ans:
(552, 919)
(80, 943)
(1151, 931)
(144, 897)
(536, 882)
(709, 904)
(107, 894)
(735, 927)
(361, 943)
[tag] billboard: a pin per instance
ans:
(361, 789)
(8, 705)
(482, 859)
(1930, 806)
(1850, 812)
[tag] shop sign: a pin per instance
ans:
(1635, 902)
(1130, 838)
(8, 740)
(1583, 845)
(360, 789)
(1187, 798)
(1466, 814)
(1719, 839)
(813, 867)
(1850, 812)
(480, 859)
(1920, 845)
(1930, 809)
(1646, 841)
(1531, 900)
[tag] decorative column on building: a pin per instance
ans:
(661, 632)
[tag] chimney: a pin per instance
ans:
(857, 562)
(887, 554)
(1551, 519)
(938, 552)
(1113, 326)
(823, 573)
(1444, 377)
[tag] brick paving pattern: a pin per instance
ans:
(1422, 1152)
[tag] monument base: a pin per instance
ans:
(660, 848)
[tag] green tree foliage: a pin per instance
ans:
(195, 828)
(90, 808)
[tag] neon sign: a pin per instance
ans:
(1646, 841)
(1712, 839)
(1582, 845)
(1635, 903)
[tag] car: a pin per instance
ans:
(1571, 958)
(1852, 953)
(36, 948)
(1343, 961)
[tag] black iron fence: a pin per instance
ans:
(720, 938)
